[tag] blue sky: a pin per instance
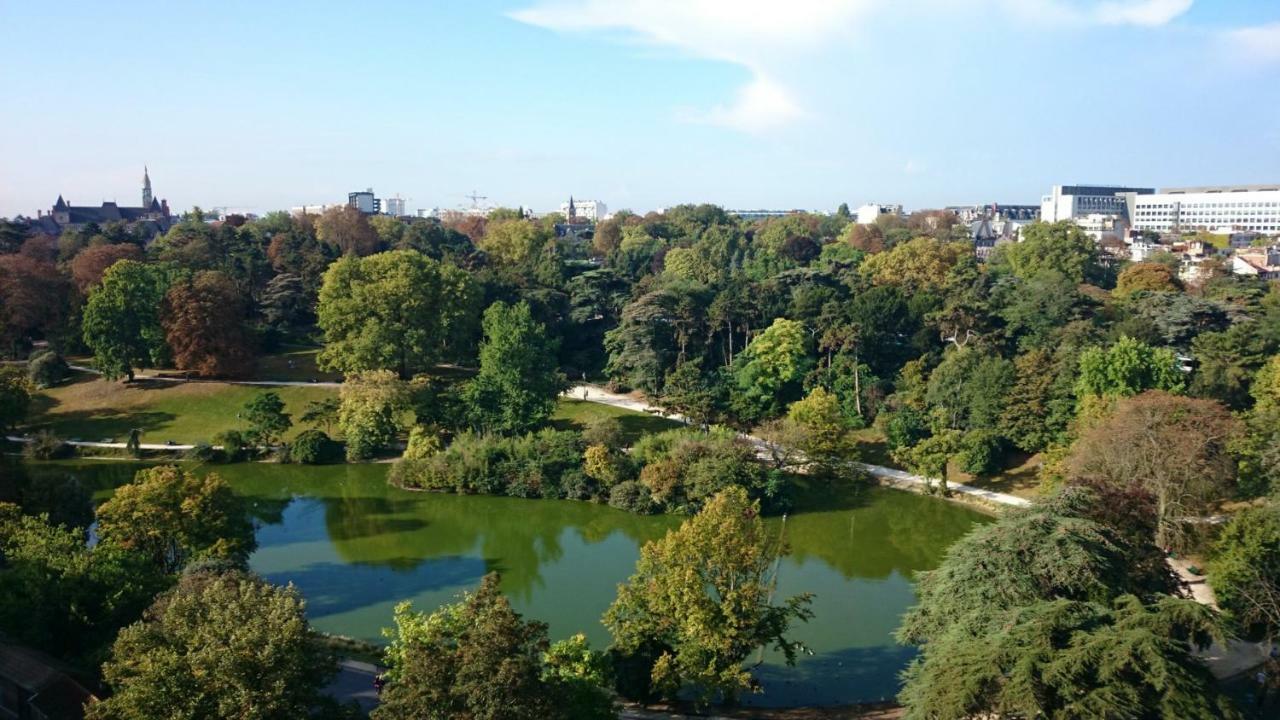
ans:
(639, 103)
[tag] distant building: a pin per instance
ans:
(1073, 202)
(973, 213)
(1225, 209)
(365, 202)
(153, 215)
(868, 214)
(753, 215)
(1261, 263)
(394, 206)
(584, 210)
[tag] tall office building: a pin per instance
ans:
(1227, 208)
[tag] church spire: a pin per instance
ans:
(146, 187)
(573, 211)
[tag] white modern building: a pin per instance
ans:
(1224, 209)
(589, 210)
(394, 206)
(869, 213)
(365, 202)
(1074, 202)
(313, 209)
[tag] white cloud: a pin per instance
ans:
(1255, 45)
(766, 36)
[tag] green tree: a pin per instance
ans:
(516, 388)
(822, 434)
(15, 396)
(219, 645)
(920, 264)
(969, 389)
(1059, 247)
(1041, 403)
(688, 391)
(373, 410)
(1244, 569)
(321, 413)
(267, 419)
(476, 659)
(122, 319)
(172, 516)
(397, 310)
(1070, 660)
(768, 373)
(702, 596)
(1127, 368)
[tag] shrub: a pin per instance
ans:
(235, 447)
(606, 431)
(529, 466)
(47, 446)
(47, 368)
(423, 443)
(683, 468)
(314, 447)
(983, 451)
(201, 452)
(631, 496)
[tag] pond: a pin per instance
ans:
(355, 547)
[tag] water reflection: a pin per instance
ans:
(355, 547)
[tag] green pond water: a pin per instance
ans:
(355, 547)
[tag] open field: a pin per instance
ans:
(576, 414)
(89, 408)
(295, 365)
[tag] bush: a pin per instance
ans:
(903, 428)
(423, 443)
(632, 497)
(683, 468)
(529, 466)
(202, 452)
(47, 446)
(235, 447)
(983, 452)
(314, 447)
(47, 368)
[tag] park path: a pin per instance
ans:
(886, 475)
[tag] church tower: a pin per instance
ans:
(573, 211)
(146, 188)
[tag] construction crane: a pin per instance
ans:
(475, 199)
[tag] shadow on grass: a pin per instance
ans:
(96, 425)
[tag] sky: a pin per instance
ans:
(640, 104)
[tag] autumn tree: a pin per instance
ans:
(172, 516)
(700, 602)
(122, 318)
(90, 264)
(204, 322)
(1146, 277)
(219, 645)
(396, 310)
(347, 230)
(33, 297)
(920, 264)
(1172, 448)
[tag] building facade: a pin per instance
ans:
(869, 213)
(152, 214)
(1224, 209)
(1073, 202)
(365, 202)
(588, 210)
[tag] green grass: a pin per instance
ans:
(576, 414)
(89, 408)
(293, 365)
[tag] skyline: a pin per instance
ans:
(638, 103)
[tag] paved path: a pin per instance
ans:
(887, 475)
(354, 681)
(109, 445)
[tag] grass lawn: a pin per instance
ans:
(576, 414)
(293, 364)
(89, 408)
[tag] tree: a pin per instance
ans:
(1060, 247)
(822, 434)
(1146, 277)
(89, 265)
(1067, 659)
(1127, 368)
(32, 297)
(204, 323)
(516, 388)
(285, 302)
(219, 645)
(1244, 569)
(767, 374)
(1041, 403)
(347, 230)
(172, 516)
(478, 659)
(15, 396)
(921, 264)
(267, 419)
(688, 391)
(514, 243)
(701, 601)
(61, 595)
(372, 411)
(122, 319)
(1173, 448)
(396, 310)
(968, 389)
(47, 368)
(321, 413)
(1258, 448)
